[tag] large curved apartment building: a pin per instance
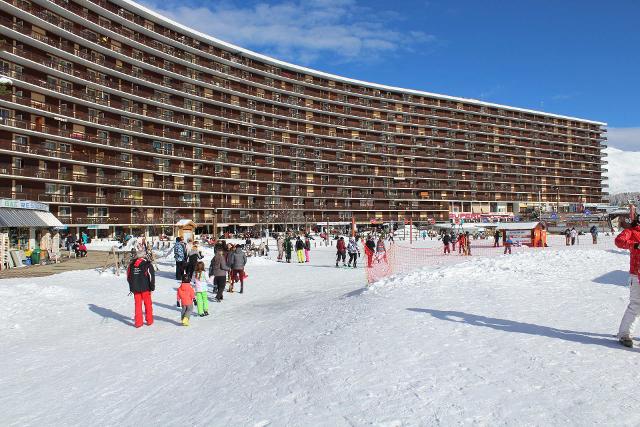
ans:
(118, 116)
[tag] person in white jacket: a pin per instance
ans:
(200, 281)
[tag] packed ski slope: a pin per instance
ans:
(510, 340)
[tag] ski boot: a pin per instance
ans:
(626, 341)
(206, 313)
(185, 321)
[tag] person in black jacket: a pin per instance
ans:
(142, 281)
(446, 239)
(370, 246)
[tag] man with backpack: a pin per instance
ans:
(142, 281)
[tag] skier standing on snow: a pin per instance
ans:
(354, 252)
(630, 239)
(574, 235)
(142, 281)
(341, 252)
(567, 237)
(218, 270)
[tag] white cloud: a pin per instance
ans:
(624, 170)
(624, 138)
(299, 31)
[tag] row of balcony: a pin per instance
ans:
(160, 81)
(232, 59)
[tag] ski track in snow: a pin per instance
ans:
(512, 340)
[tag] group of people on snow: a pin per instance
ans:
(286, 244)
(227, 266)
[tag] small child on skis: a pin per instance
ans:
(185, 296)
(507, 245)
(200, 281)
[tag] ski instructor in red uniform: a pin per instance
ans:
(630, 239)
(142, 281)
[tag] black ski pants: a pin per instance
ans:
(353, 258)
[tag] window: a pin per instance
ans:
(21, 140)
(64, 211)
(17, 163)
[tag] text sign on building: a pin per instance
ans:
(23, 204)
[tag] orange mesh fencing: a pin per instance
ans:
(400, 257)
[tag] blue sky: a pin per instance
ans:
(573, 57)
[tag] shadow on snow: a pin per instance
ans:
(107, 313)
(616, 277)
(521, 327)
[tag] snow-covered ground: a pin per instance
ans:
(507, 340)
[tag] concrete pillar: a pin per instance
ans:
(32, 238)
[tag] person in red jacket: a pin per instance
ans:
(630, 239)
(341, 252)
(142, 281)
(185, 296)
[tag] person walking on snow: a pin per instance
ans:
(445, 241)
(193, 256)
(461, 243)
(288, 248)
(280, 244)
(180, 256)
(300, 249)
(496, 239)
(200, 281)
(630, 239)
(185, 296)
(507, 245)
(594, 234)
(341, 252)
(218, 270)
(381, 250)
(307, 248)
(574, 235)
(370, 249)
(354, 252)
(237, 262)
(142, 281)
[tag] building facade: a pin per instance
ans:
(118, 116)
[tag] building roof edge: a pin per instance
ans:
(210, 39)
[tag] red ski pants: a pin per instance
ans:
(139, 297)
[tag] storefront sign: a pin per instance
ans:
(23, 204)
(520, 236)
